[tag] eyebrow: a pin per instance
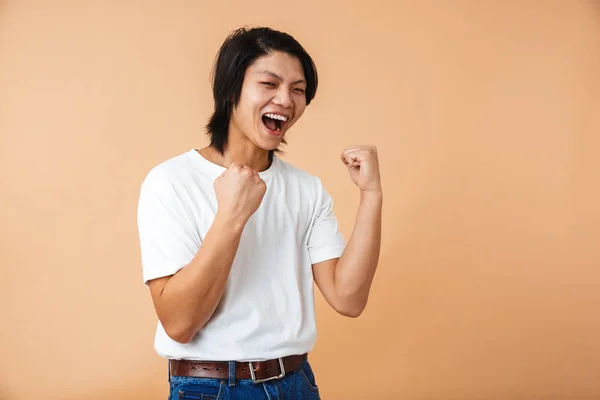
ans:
(274, 75)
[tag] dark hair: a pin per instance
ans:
(241, 48)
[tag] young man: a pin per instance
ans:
(232, 236)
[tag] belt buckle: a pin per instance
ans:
(281, 367)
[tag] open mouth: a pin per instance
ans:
(275, 123)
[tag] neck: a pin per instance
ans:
(250, 155)
(255, 158)
(243, 151)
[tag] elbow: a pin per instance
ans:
(351, 311)
(350, 305)
(181, 339)
(180, 334)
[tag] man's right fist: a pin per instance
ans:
(239, 192)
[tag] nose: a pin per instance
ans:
(283, 98)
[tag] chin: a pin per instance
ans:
(270, 147)
(269, 142)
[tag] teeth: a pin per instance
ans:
(275, 116)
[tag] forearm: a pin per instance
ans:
(356, 267)
(190, 297)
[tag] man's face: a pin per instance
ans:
(271, 101)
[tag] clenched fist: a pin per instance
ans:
(363, 165)
(239, 192)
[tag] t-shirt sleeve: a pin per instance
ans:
(325, 241)
(167, 238)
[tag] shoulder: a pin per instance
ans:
(310, 183)
(292, 172)
(170, 172)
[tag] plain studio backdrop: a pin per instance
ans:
(487, 119)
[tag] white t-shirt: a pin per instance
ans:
(267, 310)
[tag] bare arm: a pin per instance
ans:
(184, 302)
(346, 282)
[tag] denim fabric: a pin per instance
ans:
(296, 385)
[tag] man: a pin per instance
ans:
(232, 236)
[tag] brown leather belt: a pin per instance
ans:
(258, 371)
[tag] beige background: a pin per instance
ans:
(487, 117)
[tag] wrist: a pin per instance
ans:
(230, 222)
(377, 192)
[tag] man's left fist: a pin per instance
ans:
(363, 165)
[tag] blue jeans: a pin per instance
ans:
(297, 385)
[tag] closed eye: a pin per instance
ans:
(298, 90)
(269, 84)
